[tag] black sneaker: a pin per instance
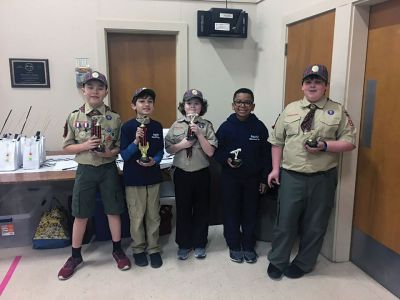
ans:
(156, 260)
(236, 256)
(293, 272)
(250, 256)
(274, 272)
(140, 259)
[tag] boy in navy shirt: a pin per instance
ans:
(142, 178)
(242, 181)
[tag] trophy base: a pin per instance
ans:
(191, 137)
(236, 162)
(100, 148)
(144, 160)
(312, 143)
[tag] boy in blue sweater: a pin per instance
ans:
(142, 178)
(242, 182)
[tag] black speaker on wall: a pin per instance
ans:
(222, 22)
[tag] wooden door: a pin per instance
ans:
(377, 198)
(309, 42)
(143, 60)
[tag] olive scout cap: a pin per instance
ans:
(316, 70)
(193, 93)
(141, 91)
(95, 76)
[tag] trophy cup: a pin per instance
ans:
(191, 135)
(96, 131)
(236, 162)
(143, 144)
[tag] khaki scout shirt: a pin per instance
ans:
(198, 160)
(331, 122)
(78, 130)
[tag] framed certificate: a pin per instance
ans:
(29, 73)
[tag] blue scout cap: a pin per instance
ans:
(95, 76)
(193, 93)
(141, 91)
(316, 70)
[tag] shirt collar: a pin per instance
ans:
(101, 108)
(185, 119)
(320, 103)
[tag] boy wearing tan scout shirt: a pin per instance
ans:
(192, 139)
(306, 141)
(92, 133)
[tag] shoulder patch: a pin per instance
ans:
(350, 122)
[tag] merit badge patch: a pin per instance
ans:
(108, 117)
(330, 112)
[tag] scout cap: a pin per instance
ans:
(95, 76)
(193, 93)
(316, 70)
(141, 91)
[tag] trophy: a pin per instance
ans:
(312, 143)
(236, 162)
(190, 134)
(143, 143)
(96, 131)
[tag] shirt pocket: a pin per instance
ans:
(329, 127)
(178, 135)
(292, 124)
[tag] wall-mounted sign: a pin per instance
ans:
(29, 73)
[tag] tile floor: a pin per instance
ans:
(215, 277)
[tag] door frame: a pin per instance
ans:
(346, 86)
(179, 29)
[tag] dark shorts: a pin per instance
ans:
(88, 181)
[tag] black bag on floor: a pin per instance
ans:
(166, 219)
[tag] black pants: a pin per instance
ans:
(240, 198)
(192, 191)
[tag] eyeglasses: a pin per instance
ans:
(243, 103)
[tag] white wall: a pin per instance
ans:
(62, 31)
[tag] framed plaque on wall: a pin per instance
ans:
(29, 73)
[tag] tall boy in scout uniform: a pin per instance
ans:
(96, 151)
(306, 141)
(191, 175)
(142, 179)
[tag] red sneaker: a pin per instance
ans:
(122, 260)
(69, 268)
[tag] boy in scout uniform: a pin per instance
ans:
(192, 139)
(242, 181)
(307, 139)
(142, 178)
(92, 133)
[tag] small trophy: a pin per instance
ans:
(236, 162)
(144, 144)
(96, 131)
(190, 134)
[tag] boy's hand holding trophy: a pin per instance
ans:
(234, 160)
(191, 135)
(96, 131)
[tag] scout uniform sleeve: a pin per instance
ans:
(69, 131)
(346, 130)
(278, 135)
(210, 135)
(117, 142)
(168, 138)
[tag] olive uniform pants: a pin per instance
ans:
(305, 202)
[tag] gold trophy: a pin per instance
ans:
(143, 143)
